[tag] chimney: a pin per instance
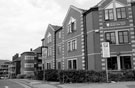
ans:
(30, 49)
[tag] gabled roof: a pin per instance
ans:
(105, 2)
(37, 50)
(55, 27)
(81, 11)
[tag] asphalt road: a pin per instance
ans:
(9, 84)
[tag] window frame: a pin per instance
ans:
(117, 36)
(28, 65)
(108, 14)
(123, 37)
(48, 65)
(121, 13)
(110, 37)
(72, 45)
(119, 63)
(71, 26)
(60, 34)
(59, 49)
(59, 65)
(30, 58)
(72, 64)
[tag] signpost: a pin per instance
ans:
(106, 54)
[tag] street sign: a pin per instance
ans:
(106, 49)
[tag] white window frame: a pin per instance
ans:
(29, 57)
(69, 29)
(49, 51)
(28, 65)
(71, 45)
(60, 34)
(49, 38)
(59, 49)
(72, 63)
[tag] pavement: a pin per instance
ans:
(41, 84)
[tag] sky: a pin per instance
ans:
(23, 23)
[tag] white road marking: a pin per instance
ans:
(6, 87)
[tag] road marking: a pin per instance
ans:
(6, 86)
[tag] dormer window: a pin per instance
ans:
(121, 13)
(115, 11)
(109, 15)
(71, 25)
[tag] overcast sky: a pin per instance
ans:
(23, 22)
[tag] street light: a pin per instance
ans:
(44, 55)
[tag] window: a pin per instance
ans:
(123, 37)
(29, 57)
(72, 64)
(50, 51)
(59, 65)
(69, 47)
(109, 15)
(72, 45)
(121, 13)
(125, 62)
(110, 37)
(48, 65)
(112, 63)
(59, 34)
(49, 38)
(119, 63)
(59, 49)
(29, 65)
(71, 25)
(44, 52)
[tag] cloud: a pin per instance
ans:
(23, 24)
(81, 2)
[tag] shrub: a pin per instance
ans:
(80, 76)
(39, 75)
(29, 76)
(51, 75)
(21, 76)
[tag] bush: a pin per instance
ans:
(51, 75)
(29, 76)
(81, 76)
(39, 75)
(21, 76)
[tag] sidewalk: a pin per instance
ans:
(41, 84)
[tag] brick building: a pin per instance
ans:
(77, 44)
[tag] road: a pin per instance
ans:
(9, 84)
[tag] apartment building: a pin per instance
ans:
(4, 71)
(78, 43)
(15, 66)
(38, 59)
(27, 62)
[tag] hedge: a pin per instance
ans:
(83, 76)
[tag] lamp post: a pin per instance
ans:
(44, 55)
